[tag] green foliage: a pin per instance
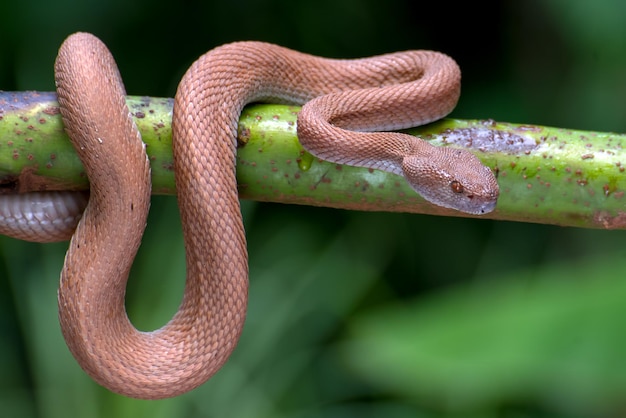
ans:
(355, 314)
(553, 336)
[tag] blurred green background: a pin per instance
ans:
(356, 314)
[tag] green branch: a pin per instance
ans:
(546, 175)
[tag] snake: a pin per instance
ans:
(349, 108)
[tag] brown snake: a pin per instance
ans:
(343, 97)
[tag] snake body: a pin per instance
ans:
(343, 98)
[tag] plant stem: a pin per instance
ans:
(546, 175)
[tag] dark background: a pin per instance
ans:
(356, 314)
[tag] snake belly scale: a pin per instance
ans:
(343, 100)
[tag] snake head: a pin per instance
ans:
(452, 178)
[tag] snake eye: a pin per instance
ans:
(456, 187)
